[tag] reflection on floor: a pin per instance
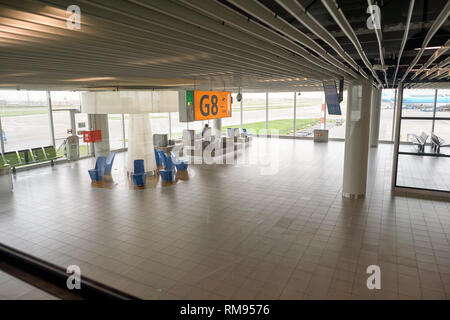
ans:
(263, 230)
(424, 172)
(12, 288)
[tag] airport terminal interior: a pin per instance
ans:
(225, 149)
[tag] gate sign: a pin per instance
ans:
(331, 97)
(210, 104)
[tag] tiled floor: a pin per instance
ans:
(229, 232)
(423, 171)
(12, 288)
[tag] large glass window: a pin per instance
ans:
(115, 131)
(65, 104)
(336, 123)
(424, 162)
(281, 113)
(254, 107)
(176, 126)
(126, 122)
(235, 120)
(388, 100)
(308, 114)
(25, 121)
(442, 121)
(416, 104)
(160, 122)
(81, 122)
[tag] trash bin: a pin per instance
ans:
(6, 184)
(320, 135)
(72, 148)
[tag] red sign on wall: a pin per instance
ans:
(92, 136)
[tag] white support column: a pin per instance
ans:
(375, 112)
(122, 119)
(50, 119)
(217, 126)
(397, 117)
(357, 139)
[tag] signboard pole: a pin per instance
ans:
(323, 119)
(267, 112)
(242, 112)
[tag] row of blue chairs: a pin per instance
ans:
(139, 175)
(102, 166)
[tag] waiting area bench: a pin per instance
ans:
(28, 156)
(419, 141)
(437, 143)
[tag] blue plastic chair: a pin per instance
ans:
(162, 158)
(98, 172)
(168, 174)
(109, 162)
(157, 158)
(179, 164)
(139, 176)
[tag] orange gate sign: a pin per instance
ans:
(212, 105)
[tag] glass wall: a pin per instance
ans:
(388, 100)
(63, 102)
(424, 162)
(254, 107)
(281, 113)
(81, 122)
(25, 121)
(115, 131)
(336, 123)
(126, 121)
(308, 114)
(160, 122)
(25, 117)
(176, 126)
(442, 120)
(235, 120)
(416, 104)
